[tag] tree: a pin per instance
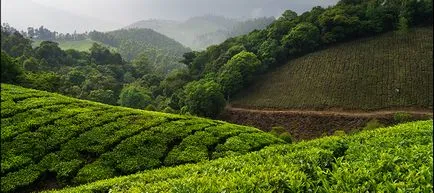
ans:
(246, 63)
(204, 98)
(288, 15)
(103, 96)
(31, 64)
(270, 52)
(231, 81)
(10, 72)
(302, 38)
(134, 96)
(75, 77)
(51, 52)
(102, 55)
(142, 65)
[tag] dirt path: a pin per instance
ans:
(333, 113)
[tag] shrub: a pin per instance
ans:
(277, 130)
(339, 133)
(373, 124)
(286, 136)
(401, 117)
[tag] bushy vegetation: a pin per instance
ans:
(99, 74)
(76, 141)
(393, 159)
(391, 70)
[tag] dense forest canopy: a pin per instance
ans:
(220, 71)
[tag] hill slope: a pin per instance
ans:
(161, 51)
(201, 32)
(50, 141)
(394, 159)
(390, 70)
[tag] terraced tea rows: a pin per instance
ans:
(388, 71)
(394, 159)
(50, 141)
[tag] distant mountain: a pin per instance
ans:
(43, 15)
(201, 32)
(163, 52)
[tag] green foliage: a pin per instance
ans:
(13, 43)
(286, 136)
(31, 64)
(103, 96)
(10, 72)
(395, 159)
(342, 132)
(402, 117)
(277, 130)
(304, 37)
(238, 71)
(373, 124)
(77, 141)
(134, 96)
(102, 55)
(403, 24)
(281, 133)
(204, 98)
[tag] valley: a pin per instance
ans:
(331, 99)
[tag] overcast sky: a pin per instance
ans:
(103, 15)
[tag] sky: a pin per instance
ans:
(105, 15)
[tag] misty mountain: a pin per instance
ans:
(203, 31)
(31, 13)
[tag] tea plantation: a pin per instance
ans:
(52, 141)
(392, 70)
(393, 159)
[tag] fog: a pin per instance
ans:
(104, 15)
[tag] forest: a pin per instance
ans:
(211, 76)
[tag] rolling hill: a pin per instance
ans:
(392, 70)
(393, 159)
(161, 51)
(52, 141)
(200, 32)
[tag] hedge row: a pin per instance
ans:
(393, 159)
(52, 139)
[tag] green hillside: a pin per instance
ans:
(161, 51)
(81, 45)
(51, 141)
(394, 159)
(385, 71)
(200, 32)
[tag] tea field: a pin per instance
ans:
(392, 159)
(53, 141)
(392, 70)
